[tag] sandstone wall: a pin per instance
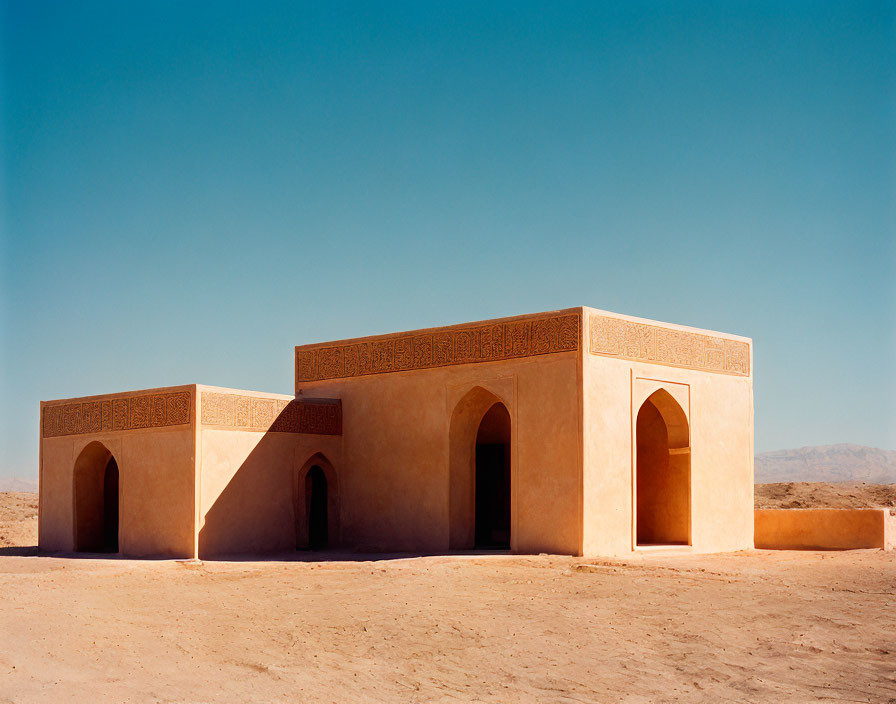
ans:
(824, 529)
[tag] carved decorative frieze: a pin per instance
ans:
(458, 345)
(626, 339)
(318, 416)
(125, 413)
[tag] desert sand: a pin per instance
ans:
(18, 519)
(824, 495)
(751, 626)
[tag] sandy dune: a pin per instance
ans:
(757, 626)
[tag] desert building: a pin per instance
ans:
(576, 431)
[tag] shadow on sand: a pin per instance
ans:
(19, 551)
(350, 556)
(297, 556)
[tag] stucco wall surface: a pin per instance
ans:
(719, 410)
(393, 421)
(397, 453)
(823, 529)
(249, 487)
(150, 435)
(155, 491)
(249, 472)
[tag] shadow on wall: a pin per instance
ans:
(266, 505)
(275, 509)
(273, 505)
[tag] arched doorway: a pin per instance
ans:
(479, 502)
(316, 508)
(316, 505)
(663, 472)
(492, 484)
(96, 492)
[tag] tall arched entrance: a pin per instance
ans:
(663, 472)
(480, 496)
(492, 488)
(96, 494)
(316, 505)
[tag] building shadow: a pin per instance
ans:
(20, 551)
(337, 556)
(253, 514)
(261, 513)
(300, 556)
(35, 551)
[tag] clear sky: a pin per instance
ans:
(191, 189)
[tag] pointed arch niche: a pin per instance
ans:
(96, 498)
(662, 472)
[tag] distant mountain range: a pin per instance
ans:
(824, 463)
(827, 463)
(17, 484)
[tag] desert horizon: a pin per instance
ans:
(835, 463)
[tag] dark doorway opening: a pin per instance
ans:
(492, 486)
(110, 507)
(316, 505)
(96, 487)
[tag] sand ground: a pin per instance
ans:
(752, 626)
(824, 495)
(18, 519)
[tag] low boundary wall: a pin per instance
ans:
(824, 529)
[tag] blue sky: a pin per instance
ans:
(191, 189)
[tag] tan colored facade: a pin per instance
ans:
(710, 405)
(576, 431)
(201, 470)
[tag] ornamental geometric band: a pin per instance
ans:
(276, 415)
(465, 345)
(129, 413)
(678, 348)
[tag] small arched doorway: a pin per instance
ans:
(663, 472)
(96, 479)
(492, 482)
(316, 505)
(316, 508)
